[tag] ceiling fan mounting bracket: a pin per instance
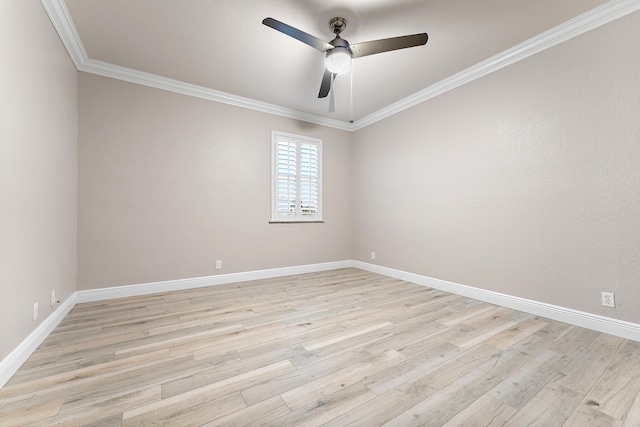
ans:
(337, 25)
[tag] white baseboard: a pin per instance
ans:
(10, 364)
(201, 282)
(20, 354)
(595, 322)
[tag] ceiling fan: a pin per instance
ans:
(339, 52)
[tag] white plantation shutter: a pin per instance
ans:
(286, 179)
(308, 179)
(296, 186)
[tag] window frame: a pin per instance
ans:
(299, 141)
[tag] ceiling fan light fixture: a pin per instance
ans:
(338, 60)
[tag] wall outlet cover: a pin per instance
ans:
(608, 299)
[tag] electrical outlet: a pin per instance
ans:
(608, 299)
(35, 311)
(54, 300)
(373, 255)
(218, 264)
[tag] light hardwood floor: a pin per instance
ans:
(344, 347)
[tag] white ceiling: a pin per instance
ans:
(219, 49)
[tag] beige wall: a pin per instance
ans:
(38, 169)
(525, 182)
(170, 183)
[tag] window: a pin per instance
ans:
(296, 178)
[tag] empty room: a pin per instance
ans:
(320, 213)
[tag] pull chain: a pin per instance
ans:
(332, 99)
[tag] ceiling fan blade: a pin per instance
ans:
(297, 34)
(386, 45)
(325, 86)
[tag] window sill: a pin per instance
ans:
(296, 222)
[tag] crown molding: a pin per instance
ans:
(61, 20)
(604, 14)
(146, 79)
(579, 25)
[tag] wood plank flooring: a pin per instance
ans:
(337, 348)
